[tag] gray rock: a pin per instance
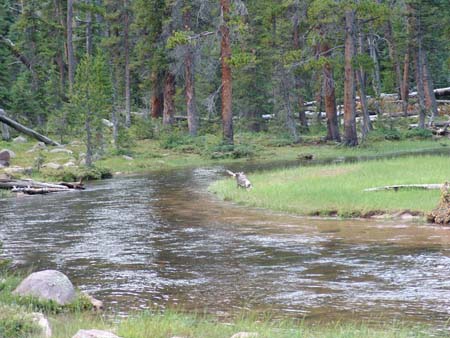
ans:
(52, 165)
(69, 164)
(37, 146)
(43, 323)
(47, 285)
(4, 158)
(128, 158)
(61, 150)
(107, 123)
(20, 139)
(94, 334)
(12, 154)
(18, 170)
(245, 335)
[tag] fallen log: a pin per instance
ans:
(30, 132)
(32, 187)
(241, 180)
(407, 186)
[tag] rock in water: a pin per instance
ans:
(441, 215)
(94, 334)
(47, 285)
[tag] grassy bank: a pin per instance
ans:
(152, 154)
(339, 189)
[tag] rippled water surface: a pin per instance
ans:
(162, 239)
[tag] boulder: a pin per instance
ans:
(4, 158)
(94, 334)
(43, 323)
(128, 158)
(245, 335)
(37, 146)
(69, 164)
(20, 139)
(16, 170)
(52, 165)
(12, 154)
(47, 285)
(61, 150)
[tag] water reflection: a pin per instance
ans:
(161, 239)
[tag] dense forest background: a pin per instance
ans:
(204, 66)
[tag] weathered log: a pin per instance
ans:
(19, 127)
(38, 191)
(241, 180)
(407, 186)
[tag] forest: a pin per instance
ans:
(201, 66)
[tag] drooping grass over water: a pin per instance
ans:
(339, 189)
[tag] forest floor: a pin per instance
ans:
(15, 322)
(338, 189)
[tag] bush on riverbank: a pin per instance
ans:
(338, 189)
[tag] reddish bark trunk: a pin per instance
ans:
(225, 55)
(430, 98)
(169, 104)
(350, 136)
(157, 98)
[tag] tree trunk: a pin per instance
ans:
(366, 125)
(430, 98)
(189, 71)
(290, 122)
(420, 87)
(6, 136)
(126, 29)
(298, 80)
(393, 54)
(89, 145)
(70, 52)
(330, 99)
(157, 98)
(88, 29)
(225, 55)
(169, 105)
(350, 136)
(406, 63)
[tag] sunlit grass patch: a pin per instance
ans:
(339, 188)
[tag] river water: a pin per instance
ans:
(162, 240)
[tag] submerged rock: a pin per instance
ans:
(94, 334)
(441, 215)
(48, 285)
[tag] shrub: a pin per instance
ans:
(418, 133)
(142, 129)
(14, 323)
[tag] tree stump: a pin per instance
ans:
(441, 215)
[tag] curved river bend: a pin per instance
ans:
(163, 240)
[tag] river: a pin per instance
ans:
(161, 240)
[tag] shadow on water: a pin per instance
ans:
(161, 240)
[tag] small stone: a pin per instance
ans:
(61, 150)
(37, 146)
(52, 165)
(69, 164)
(128, 158)
(75, 143)
(43, 323)
(107, 123)
(20, 139)
(245, 335)
(11, 153)
(94, 334)
(48, 285)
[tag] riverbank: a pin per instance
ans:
(338, 189)
(66, 163)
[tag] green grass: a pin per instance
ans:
(149, 155)
(338, 189)
(16, 322)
